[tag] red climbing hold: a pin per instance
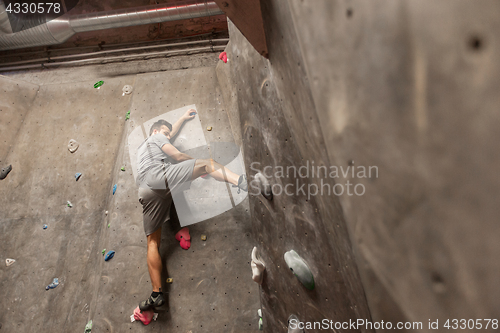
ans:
(223, 57)
(184, 238)
(145, 316)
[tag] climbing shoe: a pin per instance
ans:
(242, 184)
(152, 302)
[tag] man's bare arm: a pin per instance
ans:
(172, 152)
(178, 124)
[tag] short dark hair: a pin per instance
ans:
(157, 126)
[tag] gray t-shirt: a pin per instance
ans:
(152, 162)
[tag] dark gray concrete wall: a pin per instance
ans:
(280, 128)
(408, 87)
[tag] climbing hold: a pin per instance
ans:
(209, 128)
(69, 204)
(128, 115)
(299, 267)
(203, 237)
(77, 176)
(109, 225)
(9, 262)
(223, 57)
(45, 226)
(293, 325)
(258, 267)
(5, 171)
(73, 145)
(54, 284)
(98, 84)
(88, 327)
(103, 251)
(259, 312)
(109, 255)
(184, 238)
(170, 280)
(192, 113)
(123, 168)
(261, 324)
(144, 316)
(114, 189)
(127, 90)
(264, 186)
(106, 212)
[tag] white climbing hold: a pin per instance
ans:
(127, 90)
(9, 262)
(259, 312)
(258, 267)
(73, 145)
(293, 325)
(264, 186)
(106, 212)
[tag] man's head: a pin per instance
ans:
(161, 126)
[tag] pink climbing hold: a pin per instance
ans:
(145, 316)
(184, 238)
(223, 57)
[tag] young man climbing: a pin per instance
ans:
(161, 169)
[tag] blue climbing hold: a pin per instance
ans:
(109, 255)
(54, 284)
(114, 189)
(77, 176)
(192, 113)
(45, 226)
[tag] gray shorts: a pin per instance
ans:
(156, 202)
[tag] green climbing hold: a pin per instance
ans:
(88, 327)
(123, 168)
(299, 267)
(261, 324)
(109, 225)
(98, 84)
(128, 115)
(104, 252)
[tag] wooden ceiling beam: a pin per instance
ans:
(247, 17)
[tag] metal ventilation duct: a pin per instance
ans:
(61, 29)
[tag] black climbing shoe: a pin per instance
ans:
(5, 171)
(152, 302)
(242, 183)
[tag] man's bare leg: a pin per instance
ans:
(154, 259)
(154, 266)
(216, 170)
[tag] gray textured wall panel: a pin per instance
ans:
(410, 87)
(280, 128)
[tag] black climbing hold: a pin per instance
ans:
(5, 171)
(265, 187)
(77, 176)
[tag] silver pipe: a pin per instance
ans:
(112, 51)
(61, 29)
(143, 15)
(123, 58)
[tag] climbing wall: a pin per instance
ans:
(409, 88)
(212, 288)
(280, 129)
